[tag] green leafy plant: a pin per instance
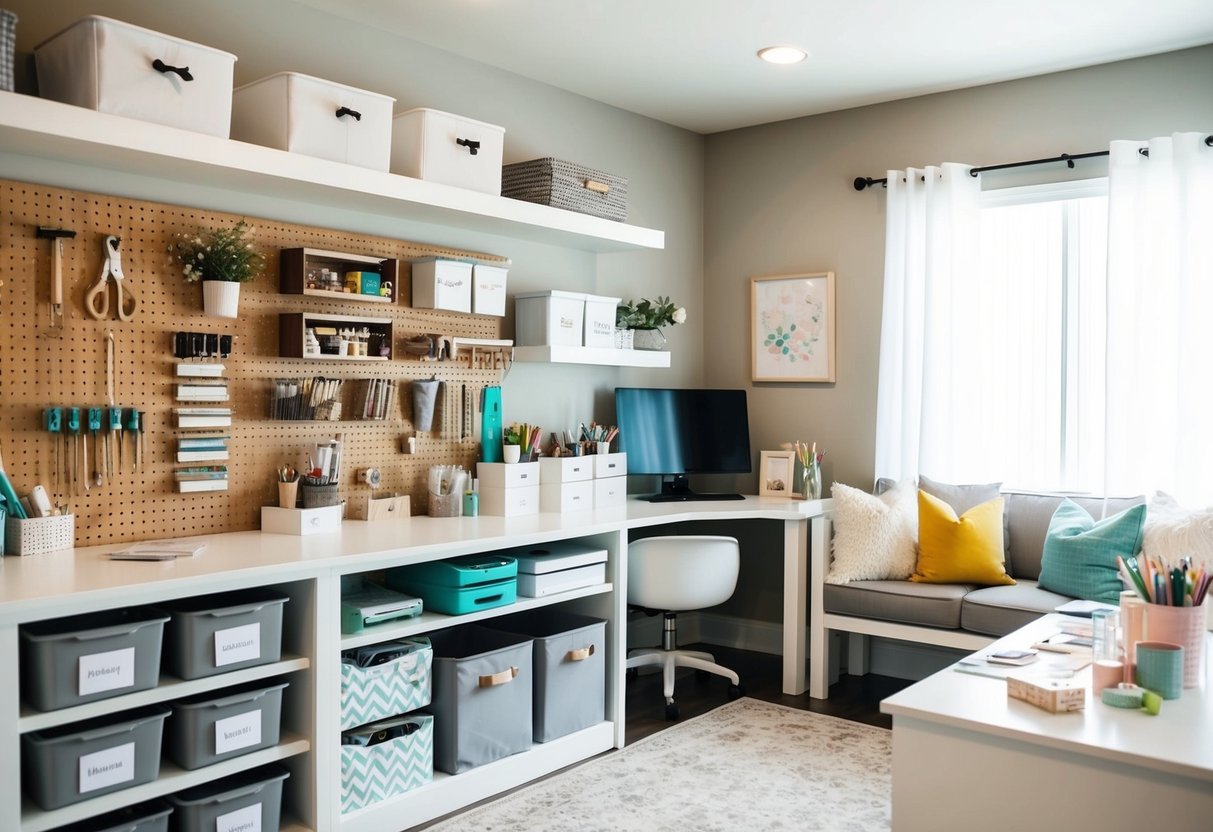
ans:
(512, 435)
(649, 314)
(217, 254)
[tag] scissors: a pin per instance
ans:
(97, 301)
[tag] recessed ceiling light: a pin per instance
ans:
(782, 55)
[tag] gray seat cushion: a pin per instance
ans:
(998, 610)
(1028, 517)
(928, 605)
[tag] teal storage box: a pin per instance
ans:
(454, 600)
(460, 585)
(388, 689)
(371, 773)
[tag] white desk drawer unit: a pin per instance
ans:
(509, 502)
(553, 470)
(566, 496)
(610, 492)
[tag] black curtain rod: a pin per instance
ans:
(862, 182)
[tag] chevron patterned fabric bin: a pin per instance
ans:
(376, 772)
(389, 689)
(567, 185)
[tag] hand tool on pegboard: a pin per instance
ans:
(56, 236)
(73, 425)
(52, 420)
(97, 300)
(97, 474)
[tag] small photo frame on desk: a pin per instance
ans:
(775, 474)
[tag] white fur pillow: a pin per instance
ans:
(874, 535)
(1173, 531)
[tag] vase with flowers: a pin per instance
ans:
(810, 469)
(222, 259)
(646, 318)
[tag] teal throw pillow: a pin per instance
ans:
(1079, 556)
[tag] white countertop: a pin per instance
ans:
(1177, 741)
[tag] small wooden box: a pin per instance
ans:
(1053, 695)
(385, 507)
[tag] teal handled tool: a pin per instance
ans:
(73, 425)
(98, 462)
(114, 436)
(53, 421)
(132, 428)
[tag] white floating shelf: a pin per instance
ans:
(601, 356)
(44, 129)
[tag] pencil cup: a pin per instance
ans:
(288, 493)
(1160, 668)
(319, 496)
(603, 448)
(1184, 626)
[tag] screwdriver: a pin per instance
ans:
(94, 426)
(114, 435)
(73, 424)
(132, 427)
(53, 417)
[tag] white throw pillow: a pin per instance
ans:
(874, 535)
(1173, 531)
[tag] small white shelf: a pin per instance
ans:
(601, 356)
(44, 129)
(357, 298)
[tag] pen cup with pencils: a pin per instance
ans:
(1175, 611)
(288, 487)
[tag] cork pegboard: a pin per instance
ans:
(42, 366)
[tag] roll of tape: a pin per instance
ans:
(371, 477)
(1123, 696)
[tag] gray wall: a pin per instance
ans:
(779, 200)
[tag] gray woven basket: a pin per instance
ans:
(8, 48)
(567, 185)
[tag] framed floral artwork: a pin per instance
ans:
(792, 327)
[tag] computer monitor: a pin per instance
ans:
(673, 433)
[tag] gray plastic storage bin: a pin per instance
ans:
(71, 763)
(217, 633)
(69, 661)
(570, 669)
(210, 727)
(482, 696)
(145, 817)
(201, 808)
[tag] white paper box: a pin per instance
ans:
(565, 469)
(600, 321)
(555, 556)
(507, 475)
(610, 465)
(610, 492)
(108, 65)
(509, 502)
(552, 318)
(299, 113)
(442, 284)
(566, 496)
(549, 583)
(437, 146)
(276, 520)
(488, 289)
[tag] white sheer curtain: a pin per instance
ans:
(1159, 420)
(931, 235)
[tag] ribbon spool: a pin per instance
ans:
(371, 477)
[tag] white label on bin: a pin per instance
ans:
(107, 671)
(247, 819)
(107, 768)
(238, 644)
(238, 731)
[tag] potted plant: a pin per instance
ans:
(646, 319)
(511, 443)
(221, 259)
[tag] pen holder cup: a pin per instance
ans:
(446, 505)
(288, 494)
(1160, 668)
(319, 496)
(1184, 626)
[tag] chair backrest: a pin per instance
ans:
(683, 572)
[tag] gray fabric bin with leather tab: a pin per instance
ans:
(482, 696)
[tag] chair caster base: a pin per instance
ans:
(736, 691)
(671, 711)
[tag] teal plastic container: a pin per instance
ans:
(458, 600)
(468, 570)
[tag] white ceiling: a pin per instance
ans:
(692, 63)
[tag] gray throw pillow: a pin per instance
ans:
(963, 497)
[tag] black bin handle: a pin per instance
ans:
(346, 111)
(183, 71)
(472, 145)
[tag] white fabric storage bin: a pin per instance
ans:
(442, 284)
(610, 492)
(488, 289)
(566, 496)
(552, 318)
(302, 114)
(443, 147)
(114, 67)
(600, 321)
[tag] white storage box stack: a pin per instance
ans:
(610, 480)
(552, 318)
(443, 147)
(600, 321)
(488, 289)
(509, 489)
(442, 284)
(566, 483)
(558, 567)
(302, 114)
(114, 67)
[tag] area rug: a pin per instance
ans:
(748, 765)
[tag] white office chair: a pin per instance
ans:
(686, 572)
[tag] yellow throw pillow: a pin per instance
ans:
(964, 550)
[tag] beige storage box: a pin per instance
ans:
(552, 318)
(443, 147)
(314, 117)
(381, 507)
(442, 284)
(126, 70)
(599, 329)
(275, 520)
(488, 289)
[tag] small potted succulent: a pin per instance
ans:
(222, 259)
(646, 319)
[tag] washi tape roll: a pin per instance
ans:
(1124, 696)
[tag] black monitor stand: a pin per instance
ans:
(676, 488)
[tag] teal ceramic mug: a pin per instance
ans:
(1160, 668)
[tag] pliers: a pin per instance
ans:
(97, 301)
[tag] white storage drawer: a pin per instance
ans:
(488, 289)
(599, 330)
(549, 583)
(610, 465)
(507, 474)
(566, 496)
(302, 114)
(443, 147)
(126, 70)
(565, 469)
(442, 284)
(552, 318)
(509, 502)
(610, 492)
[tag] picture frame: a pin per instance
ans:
(792, 327)
(776, 471)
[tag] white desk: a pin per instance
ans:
(967, 757)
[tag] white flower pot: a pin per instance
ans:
(220, 298)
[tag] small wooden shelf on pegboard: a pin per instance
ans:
(293, 328)
(301, 270)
